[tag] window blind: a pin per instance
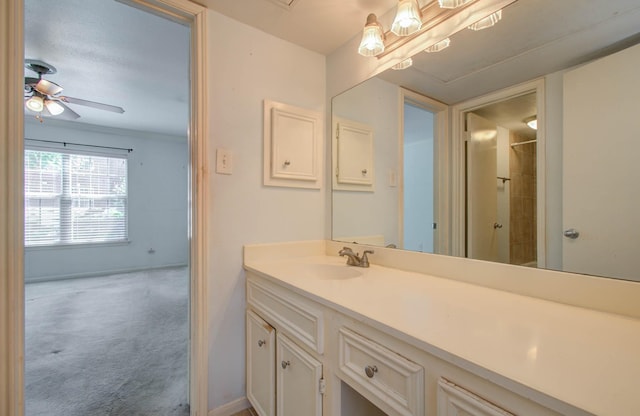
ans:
(74, 198)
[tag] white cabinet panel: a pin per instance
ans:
(292, 146)
(260, 365)
(453, 400)
(353, 156)
(298, 380)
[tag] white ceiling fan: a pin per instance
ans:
(44, 98)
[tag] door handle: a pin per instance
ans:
(571, 233)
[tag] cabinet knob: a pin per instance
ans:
(287, 163)
(261, 342)
(285, 364)
(370, 370)
(364, 171)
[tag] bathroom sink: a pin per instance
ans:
(330, 271)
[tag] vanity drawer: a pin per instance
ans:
(389, 377)
(453, 400)
(288, 312)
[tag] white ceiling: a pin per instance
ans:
(318, 25)
(109, 52)
(112, 53)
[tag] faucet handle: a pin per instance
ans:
(364, 261)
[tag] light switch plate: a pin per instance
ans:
(224, 161)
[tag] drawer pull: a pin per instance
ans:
(370, 371)
(285, 364)
(261, 342)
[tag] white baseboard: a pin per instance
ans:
(231, 408)
(41, 279)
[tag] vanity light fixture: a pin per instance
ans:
(440, 18)
(437, 47)
(532, 122)
(372, 43)
(487, 22)
(403, 65)
(452, 4)
(408, 19)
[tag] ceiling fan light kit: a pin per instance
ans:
(35, 103)
(411, 21)
(43, 96)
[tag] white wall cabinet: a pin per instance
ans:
(292, 146)
(353, 156)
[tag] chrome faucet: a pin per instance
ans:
(354, 259)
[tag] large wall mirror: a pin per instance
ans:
(445, 156)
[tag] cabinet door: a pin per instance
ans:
(298, 380)
(261, 365)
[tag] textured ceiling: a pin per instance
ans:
(112, 53)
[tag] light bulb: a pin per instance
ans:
(487, 22)
(35, 103)
(54, 107)
(437, 47)
(452, 4)
(408, 19)
(372, 43)
(403, 65)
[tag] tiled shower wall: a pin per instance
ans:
(522, 171)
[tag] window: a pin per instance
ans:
(74, 198)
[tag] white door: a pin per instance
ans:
(298, 380)
(261, 359)
(482, 189)
(601, 194)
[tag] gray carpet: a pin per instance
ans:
(111, 345)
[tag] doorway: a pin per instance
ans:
(501, 181)
(106, 216)
(422, 201)
(12, 305)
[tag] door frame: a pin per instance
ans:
(441, 213)
(12, 212)
(458, 175)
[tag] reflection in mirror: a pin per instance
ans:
(426, 193)
(501, 182)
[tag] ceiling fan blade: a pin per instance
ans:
(99, 106)
(47, 87)
(67, 114)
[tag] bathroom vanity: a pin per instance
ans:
(325, 338)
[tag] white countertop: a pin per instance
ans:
(586, 358)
